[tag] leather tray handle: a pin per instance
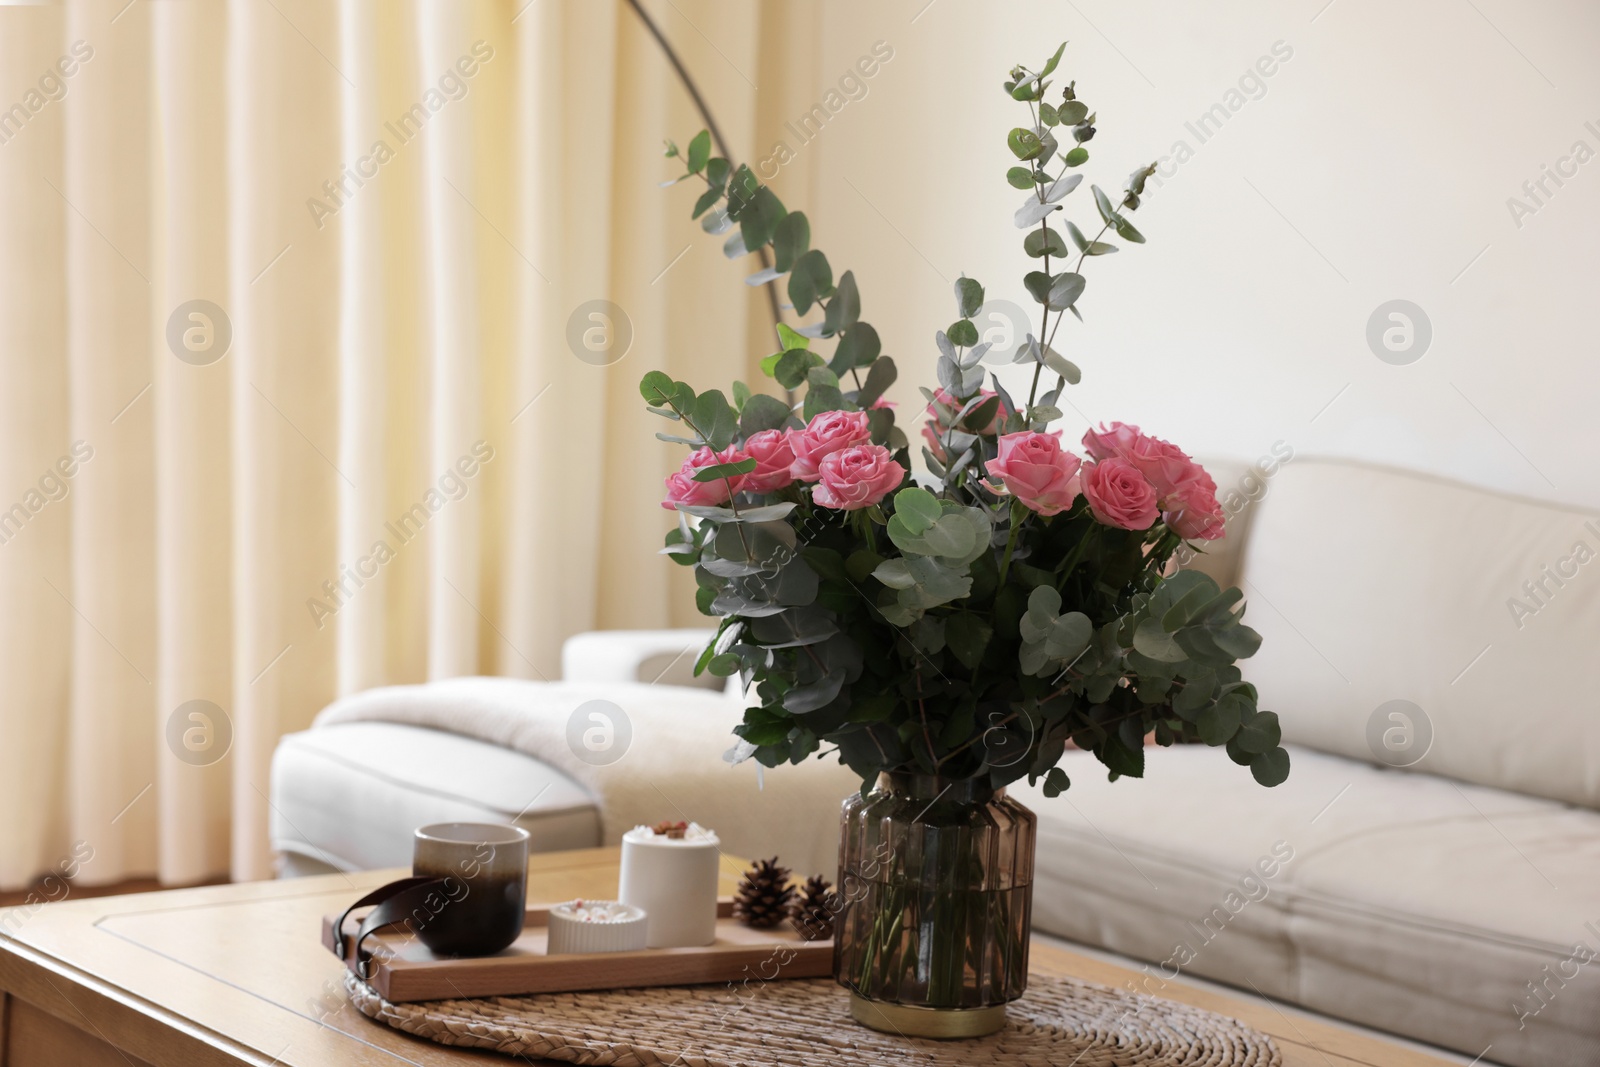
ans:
(394, 902)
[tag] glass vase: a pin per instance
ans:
(936, 890)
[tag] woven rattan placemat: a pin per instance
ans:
(807, 1022)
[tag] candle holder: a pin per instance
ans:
(671, 873)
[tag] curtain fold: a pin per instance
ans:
(295, 393)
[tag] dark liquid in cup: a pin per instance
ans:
(477, 913)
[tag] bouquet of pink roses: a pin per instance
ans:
(1020, 598)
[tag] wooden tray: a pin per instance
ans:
(404, 970)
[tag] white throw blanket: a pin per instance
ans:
(671, 768)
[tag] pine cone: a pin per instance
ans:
(764, 895)
(812, 915)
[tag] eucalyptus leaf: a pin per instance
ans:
(1024, 143)
(858, 347)
(845, 308)
(699, 151)
(1032, 212)
(760, 218)
(880, 376)
(1063, 185)
(1044, 242)
(969, 297)
(791, 239)
(1065, 288)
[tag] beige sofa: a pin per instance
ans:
(1455, 899)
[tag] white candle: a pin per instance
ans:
(674, 879)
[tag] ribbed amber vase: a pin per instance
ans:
(936, 880)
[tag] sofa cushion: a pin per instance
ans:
(1403, 901)
(349, 796)
(1481, 610)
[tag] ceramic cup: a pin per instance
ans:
(484, 867)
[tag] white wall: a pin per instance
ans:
(1390, 140)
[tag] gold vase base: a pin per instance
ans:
(913, 1021)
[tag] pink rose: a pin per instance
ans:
(934, 429)
(857, 477)
(1119, 495)
(825, 434)
(1037, 471)
(683, 489)
(1109, 441)
(774, 456)
(1165, 466)
(1193, 512)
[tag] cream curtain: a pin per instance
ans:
(398, 468)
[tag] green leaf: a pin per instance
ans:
(810, 279)
(1103, 203)
(981, 416)
(917, 508)
(717, 172)
(962, 333)
(1064, 367)
(1271, 768)
(822, 376)
(969, 297)
(718, 471)
(845, 308)
(1044, 242)
(793, 366)
(714, 417)
(760, 218)
(790, 338)
(1020, 178)
(1261, 733)
(1038, 283)
(741, 189)
(1056, 782)
(1195, 694)
(879, 378)
(1024, 144)
(764, 733)
(699, 151)
(762, 412)
(656, 388)
(1072, 112)
(790, 240)
(803, 699)
(1047, 115)
(1151, 640)
(1126, 231)
(1120, 759)
(967, 636)
(820, 398)
(1050, 64)
(1065, 288)
(1077, 157)
(705, 202)
(1218, 722)
(858, 347)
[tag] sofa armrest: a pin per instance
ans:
(664, 657)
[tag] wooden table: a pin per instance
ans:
(234, 974)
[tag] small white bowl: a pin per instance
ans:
(587, 926)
